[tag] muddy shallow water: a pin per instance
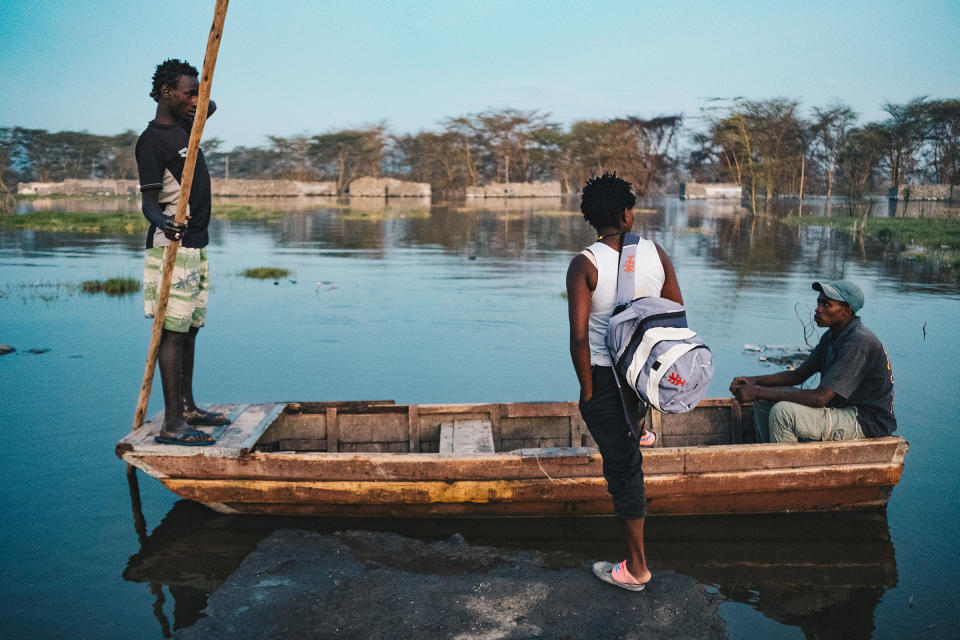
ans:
(449, 304)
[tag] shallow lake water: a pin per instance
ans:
(458, 303)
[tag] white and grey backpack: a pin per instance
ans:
(653, 351)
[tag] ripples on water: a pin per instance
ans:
(451, 304)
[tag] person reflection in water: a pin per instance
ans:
(855, 396)
(607, 204)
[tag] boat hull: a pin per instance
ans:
(237, 477)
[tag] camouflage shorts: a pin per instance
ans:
(188, 288)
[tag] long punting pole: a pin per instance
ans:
(186, 181)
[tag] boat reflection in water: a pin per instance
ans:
(824, 573)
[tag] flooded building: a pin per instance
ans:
(949, 192)
(516, 190)
(710, 191)
(388, 188)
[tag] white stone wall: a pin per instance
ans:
(265, 188)
(710, 191)
(391, 187)
(74, 187)
(925, 192)
(516, 190)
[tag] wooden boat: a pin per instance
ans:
(376, 458)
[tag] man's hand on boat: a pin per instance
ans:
(740, 381)
(746, 392)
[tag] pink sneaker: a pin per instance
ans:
(617, 575)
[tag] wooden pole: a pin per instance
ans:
(186, 181)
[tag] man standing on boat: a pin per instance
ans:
(855, 396)
(161, 153)
(607, 204)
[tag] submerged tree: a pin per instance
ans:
(831, 129)
(349, 154)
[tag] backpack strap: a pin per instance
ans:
(626, 287)
(626, 272)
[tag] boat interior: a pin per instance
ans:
(382, 426)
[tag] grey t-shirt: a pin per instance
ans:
(855, 366)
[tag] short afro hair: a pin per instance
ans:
(167, 73)
(604, 199)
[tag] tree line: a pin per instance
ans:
(772, 147)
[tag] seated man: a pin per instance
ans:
(855, 395)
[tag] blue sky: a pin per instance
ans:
(289, 67)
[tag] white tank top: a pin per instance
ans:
(648, 281)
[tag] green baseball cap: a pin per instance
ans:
(842, 290)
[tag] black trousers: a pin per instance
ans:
(622, 461)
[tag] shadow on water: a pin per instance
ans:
(822, 573)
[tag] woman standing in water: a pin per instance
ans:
(607, 204)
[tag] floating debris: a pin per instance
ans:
(37, 351)
(786, 355)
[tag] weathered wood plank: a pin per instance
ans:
(245, 419)
(293, 426)
(301, 444)
(736, 424)
(779, 490)
(704, 439)
(702, 421)
(569, 508)
(413, 429)
(466, 437)
(771, 480)
(837, 499)
(446, 438)
(342, 405)
(774, 456)
(333, 429)
(472, 436)
(535, 427)
(285, 465)
(424, 492)
(373, 447)
(384, 427)
(538, 409)
(251, 440)
(431, 420)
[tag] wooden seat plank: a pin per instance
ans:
(466, 437)
(248, 422)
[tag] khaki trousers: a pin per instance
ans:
(792, 422)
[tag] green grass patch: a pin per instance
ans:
(111, 286)
(110, 223)
(244, 212)
(266, 273)
(924, 232)
(75, 196)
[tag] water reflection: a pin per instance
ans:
(823, 573)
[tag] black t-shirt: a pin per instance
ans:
(161, 153)
(855, 366)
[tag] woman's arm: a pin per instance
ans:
(579, 294)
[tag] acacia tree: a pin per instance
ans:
(858, 159)
(294, 160)
(436, 158)
(942, 140)
(349, 153)
(469, 143)
(904, 135)
(508, 136)
(651, 141)
(831, 129)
